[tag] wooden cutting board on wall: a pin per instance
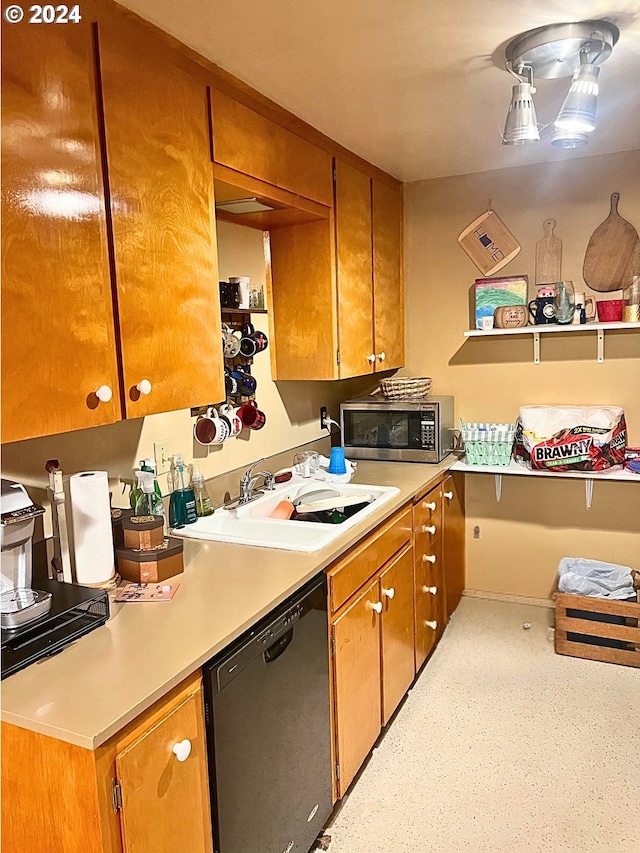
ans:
(613, 254)
(548, 255)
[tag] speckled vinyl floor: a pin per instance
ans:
(503, 745)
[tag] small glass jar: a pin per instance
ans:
(631, 307)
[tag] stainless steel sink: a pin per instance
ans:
(249, 524)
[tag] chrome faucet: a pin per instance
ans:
(248, 492)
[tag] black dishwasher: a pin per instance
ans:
(269, 732)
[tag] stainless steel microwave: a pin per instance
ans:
(405, 430)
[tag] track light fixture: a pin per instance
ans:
(558, 50)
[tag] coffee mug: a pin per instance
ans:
(210, 429)
(543, 311)
(589, 306)
(261, 341)
(251, 415)
(233, 417)
(230, 342)
(243, 290)
(248, 346)
(230, 382)
(246, 383)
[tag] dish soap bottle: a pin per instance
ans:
(182, 503)
(204, 504)
(148, 503)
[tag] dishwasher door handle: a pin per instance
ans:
(279, 647)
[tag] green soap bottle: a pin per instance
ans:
(182, 503)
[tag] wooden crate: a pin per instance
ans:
(623, 633)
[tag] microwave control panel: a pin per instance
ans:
(428, 429)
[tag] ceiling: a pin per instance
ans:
(414, 86)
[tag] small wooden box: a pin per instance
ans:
(152, 565)
(143, 532)
(598, 629)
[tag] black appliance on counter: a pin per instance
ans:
(269, 733)
(75, 610)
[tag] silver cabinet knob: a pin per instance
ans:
(104, 393)
(429, 558)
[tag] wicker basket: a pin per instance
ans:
(405, 387)
(488, 444)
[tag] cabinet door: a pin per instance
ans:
(161, 186)
(430, 599)
(454, 542)
(356, 672)
(354, 265)
(388, 290)
(165, 801)
(398, 665)
(57, 318)
(247, 142)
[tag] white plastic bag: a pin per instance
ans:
(580, 576)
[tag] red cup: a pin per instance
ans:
(251, 416)
(610, 310)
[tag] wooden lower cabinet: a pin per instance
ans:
(396, 595)
(356, 674)
(133, 794)
(453, 543)
(372, 637)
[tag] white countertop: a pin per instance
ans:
(89, 691)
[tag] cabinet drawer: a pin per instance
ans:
(349, 574)
(428, 509)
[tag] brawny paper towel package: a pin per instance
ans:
(92, 543)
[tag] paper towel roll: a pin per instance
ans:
(91, 522)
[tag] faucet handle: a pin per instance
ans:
(247, 474)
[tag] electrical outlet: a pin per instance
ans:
(323, 417)
(476, 531)
(162, 456)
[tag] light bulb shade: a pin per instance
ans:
(569, 138)
(521, 125)
(578, 113)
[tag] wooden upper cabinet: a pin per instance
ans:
(57, 317)
(388, 291)
(247, 142)
(354, 269)
(161, 189)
